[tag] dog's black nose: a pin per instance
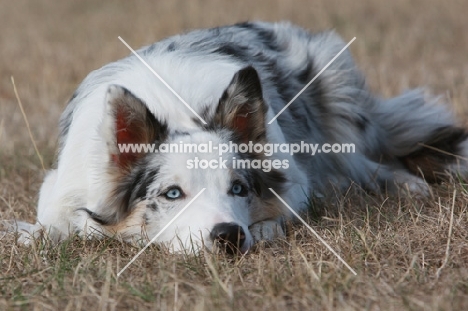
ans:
(231, 236)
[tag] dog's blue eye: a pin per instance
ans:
(173, 193)
(236, 189)
(239, 190)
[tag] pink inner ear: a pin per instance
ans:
(241, 125)
(125, 134)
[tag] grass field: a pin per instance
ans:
(409, 254)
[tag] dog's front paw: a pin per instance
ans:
(26, 232)
(27, 238)
(266, 230)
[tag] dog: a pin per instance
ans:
(235, 80)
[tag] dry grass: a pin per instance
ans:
(405, 255)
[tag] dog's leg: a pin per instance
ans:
(50, 220)
(46, 192)
(460, 163)
(27, 231)
(423, 136)
(442, 155)
(52, 215)
(413, 185)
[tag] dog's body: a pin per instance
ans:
(237, 78)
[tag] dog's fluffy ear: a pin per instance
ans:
(127, 120)
(241, 107)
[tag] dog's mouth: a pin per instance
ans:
(228, 247)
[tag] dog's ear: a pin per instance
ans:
(127, 120)
(241, 107)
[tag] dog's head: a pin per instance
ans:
(151, 190)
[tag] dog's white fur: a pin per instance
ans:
(80, 194)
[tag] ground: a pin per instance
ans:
(409, 254)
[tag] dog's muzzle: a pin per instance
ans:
(228, 236)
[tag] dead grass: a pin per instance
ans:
(405, 255)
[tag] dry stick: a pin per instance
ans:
(104, 299)
(447, 250)
(27, 123)
(1, 128)
(408, 271)
(215, 275)
(443, 151)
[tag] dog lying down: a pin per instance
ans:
(236, 79)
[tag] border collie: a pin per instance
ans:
(236, 79)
